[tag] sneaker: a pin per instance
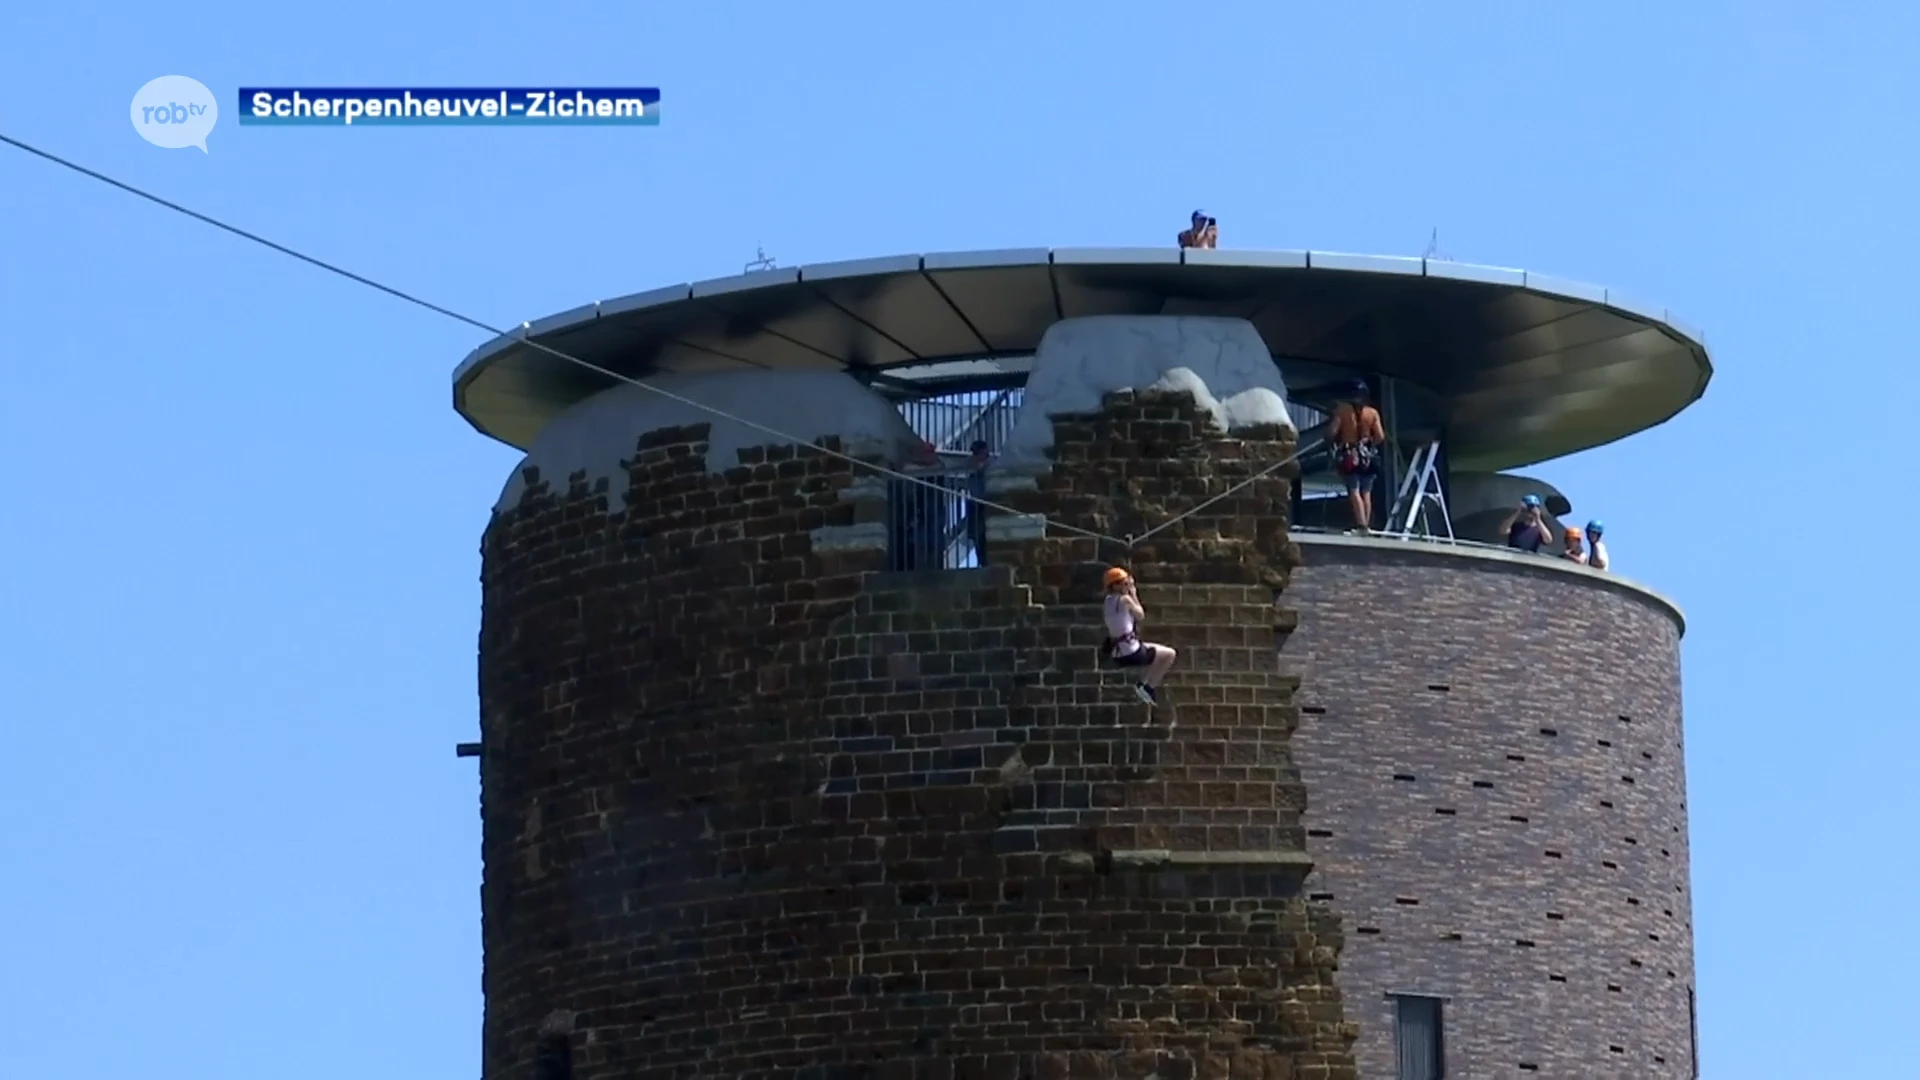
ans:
(1145, 694)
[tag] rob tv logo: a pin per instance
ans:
(174, 112)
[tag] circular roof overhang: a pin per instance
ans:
(1526, 367)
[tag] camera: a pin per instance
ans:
(1210, 223)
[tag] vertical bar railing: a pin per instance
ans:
(933, 524)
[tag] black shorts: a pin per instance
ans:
(1140, 657)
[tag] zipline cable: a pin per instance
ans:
(1128, 542)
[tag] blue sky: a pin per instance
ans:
(239, 570)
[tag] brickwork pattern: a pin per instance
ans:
(1499, 808)
(754, 809)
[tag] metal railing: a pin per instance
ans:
(935, 525)
(953, 422)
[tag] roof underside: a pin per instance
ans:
(1527, 368)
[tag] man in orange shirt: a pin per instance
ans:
(1358, 438)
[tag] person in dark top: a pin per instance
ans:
(1526, 529)
(978, 458)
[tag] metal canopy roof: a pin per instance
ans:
(1526, 367)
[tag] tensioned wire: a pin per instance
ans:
(1127, 542)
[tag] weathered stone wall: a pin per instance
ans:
(1499, 806)
(754, 809)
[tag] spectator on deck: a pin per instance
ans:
(1526, 528)
(1596, 548)
(1204, 233)
(1574, 552)
(1357, 438)
(978, 458)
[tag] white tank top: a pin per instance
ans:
(1120, 628)
(1597, 555)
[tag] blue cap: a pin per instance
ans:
(1531, 500)
(1596, 527)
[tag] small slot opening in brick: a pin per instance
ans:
(1439, 687)
(1608, 803)
(1406, 901)
(1521, 818)
(1320, 833)
(1668, 912)
(1671, 975)
(1633, 900)
(1646, 755)
(1449, 937)
(1630, 840)
(1625, 719)
(1516, 757)
(1314, 710)
(1320, 897)
(1443, 811)
(1553, 855)
(1658, 1060)
(1523, 943)
(1483, 784)
(1556, 916)
(1626, 779)
(1528, 1066)
(1556, 978)
(1549, 732)
(554, 1058)
(1635, 963)
(1616, 1050)
(1367, 930)
(1603, 742)
(1653, 937)
(1405, 777)
(1612, 989)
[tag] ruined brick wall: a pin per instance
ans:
(753, 809)
(1499, 806)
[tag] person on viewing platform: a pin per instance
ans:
(1123, 645)
(978, 458)
(1204, 233)
(1526, 528)
(1576, 551)
(1596, 549)
(1357, 438)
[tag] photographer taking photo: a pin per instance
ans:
(1204, 233)
(1526, 528)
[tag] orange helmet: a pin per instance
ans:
(1573, 533)
(1116, 575)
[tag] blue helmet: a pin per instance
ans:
(1596, 527)
(1199, 215)
(1531, 500)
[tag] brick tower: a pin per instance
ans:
(755, 807)
(767, 793)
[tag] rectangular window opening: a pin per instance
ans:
(1693, 1035)
(1419, 1038)
(555, 1060)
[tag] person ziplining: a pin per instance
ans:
(1123, 646)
